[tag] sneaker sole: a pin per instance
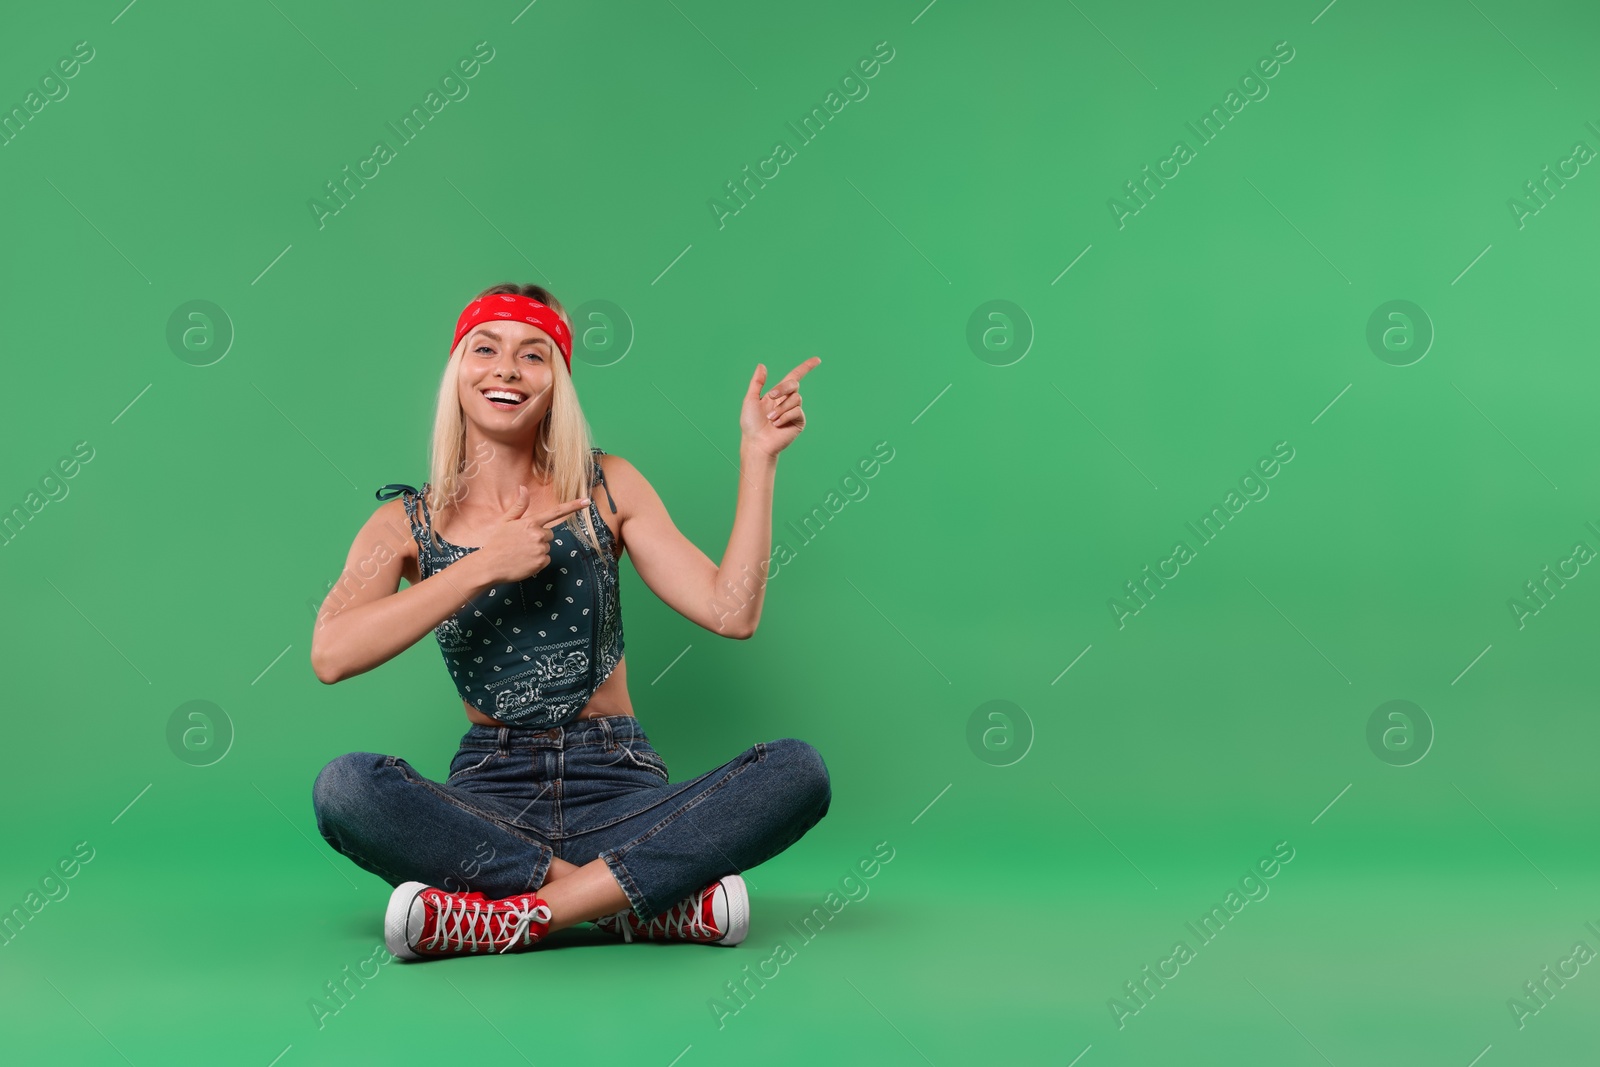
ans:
(738, 910)
(397, 919)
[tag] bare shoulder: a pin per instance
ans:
(632, 490)
(388, 533)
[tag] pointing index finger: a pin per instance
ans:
(790, 381)
(553, 516)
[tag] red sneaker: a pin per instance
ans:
(424, 922)
(719, 914)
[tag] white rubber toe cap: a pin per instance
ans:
(405, 913)
(731, 909)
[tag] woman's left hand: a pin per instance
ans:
(770, 423)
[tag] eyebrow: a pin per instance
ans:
(530, 341)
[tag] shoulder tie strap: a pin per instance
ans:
(600, 475)
(394, 489)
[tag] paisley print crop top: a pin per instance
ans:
(530, 653)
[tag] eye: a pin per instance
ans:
(484, 348)
(534, 354)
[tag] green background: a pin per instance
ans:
(1229, 314)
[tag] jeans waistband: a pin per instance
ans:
(602, 731)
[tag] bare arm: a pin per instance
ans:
(725, 599)
(365, 621)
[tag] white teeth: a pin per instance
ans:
(499, 394)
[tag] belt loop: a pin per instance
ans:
(503, 742)
(605, 728)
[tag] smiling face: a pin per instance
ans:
(506, 375)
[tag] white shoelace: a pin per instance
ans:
(685, 919)
(455, 927)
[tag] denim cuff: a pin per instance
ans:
(630, 888)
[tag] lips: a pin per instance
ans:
(504, 398)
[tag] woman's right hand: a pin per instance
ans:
(519, 547)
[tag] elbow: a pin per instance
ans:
(736, 629)
(326, 670)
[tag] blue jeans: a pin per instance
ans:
(516, 797)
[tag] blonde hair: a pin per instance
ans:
(564, 432)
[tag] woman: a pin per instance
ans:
(556, 810)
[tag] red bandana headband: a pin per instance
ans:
(511, 306)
